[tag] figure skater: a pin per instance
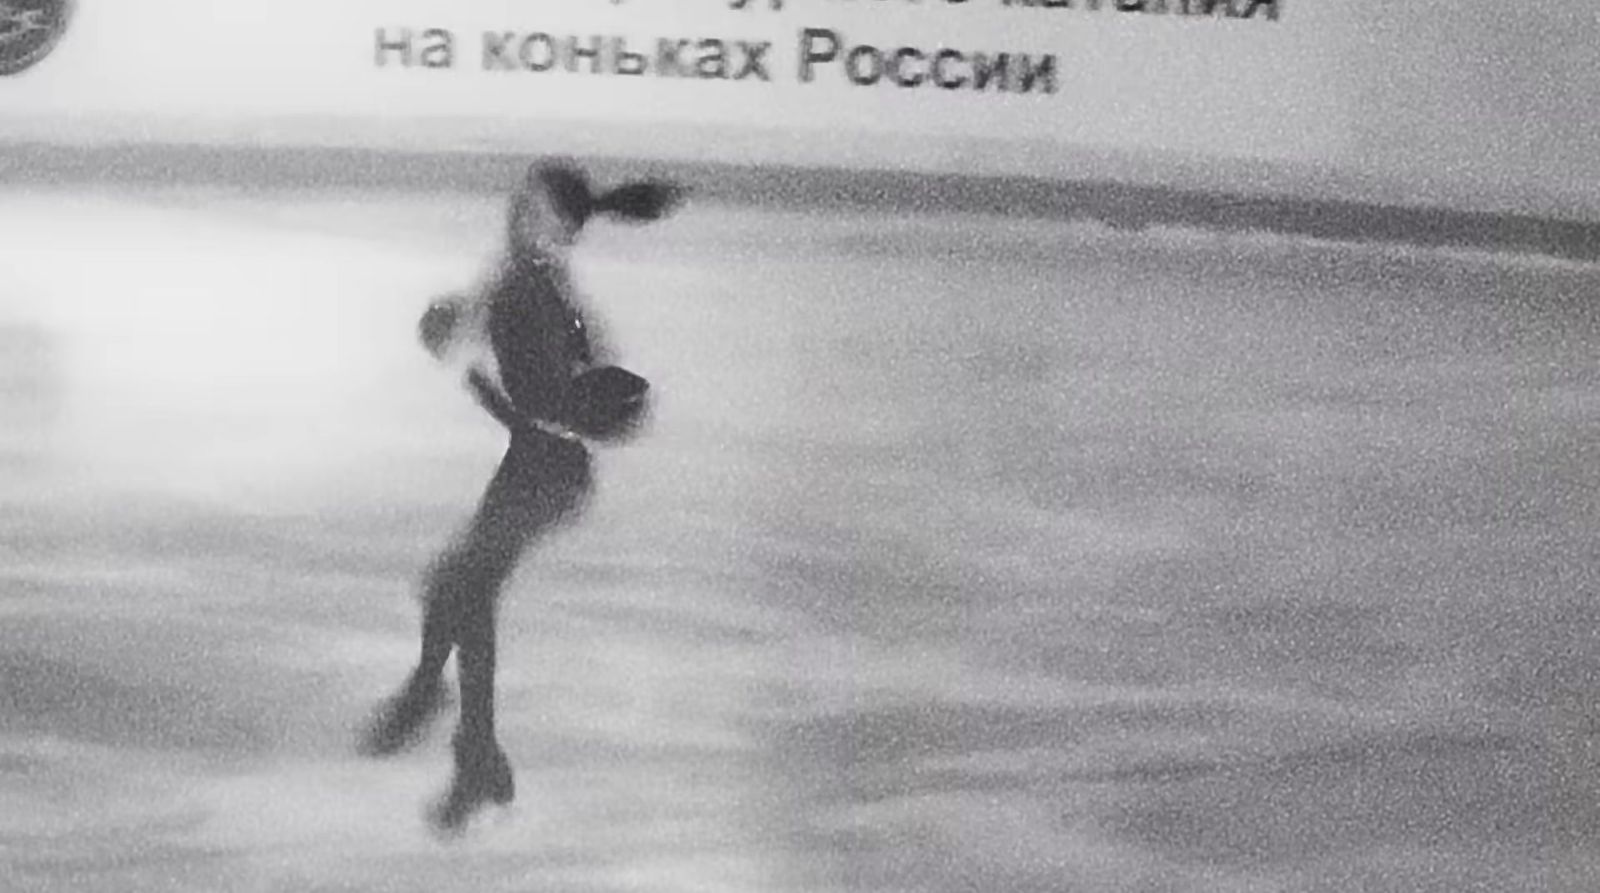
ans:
(545, 380)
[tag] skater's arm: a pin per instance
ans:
(492, 400)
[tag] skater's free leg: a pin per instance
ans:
(438, 639)
(400, 721)
(403, 717)
(453, 581)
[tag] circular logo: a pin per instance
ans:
(29, 30)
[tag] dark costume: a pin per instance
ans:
(542, 351)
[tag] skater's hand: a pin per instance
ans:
(438, 326)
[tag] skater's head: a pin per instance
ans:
(548, 209)
(555, 200)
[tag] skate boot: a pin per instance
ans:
(482, 776)
(401, 720)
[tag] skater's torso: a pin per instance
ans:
(537, 342)
(537, 334)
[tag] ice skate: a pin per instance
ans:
(483, 776)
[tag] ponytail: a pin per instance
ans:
(639, 202)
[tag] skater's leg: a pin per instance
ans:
(476, 661)
(482, 773)
(540, 486)
(438, 638)
(402, 718)
(475, 564)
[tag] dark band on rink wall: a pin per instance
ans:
(1122, 205)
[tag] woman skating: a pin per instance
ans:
(544, 380)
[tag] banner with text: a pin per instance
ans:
(1358, 88)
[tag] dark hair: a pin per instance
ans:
(570, 190)
(639, 202)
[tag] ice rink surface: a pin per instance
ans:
(965, 554)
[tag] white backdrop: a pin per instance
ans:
(1430, 100)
